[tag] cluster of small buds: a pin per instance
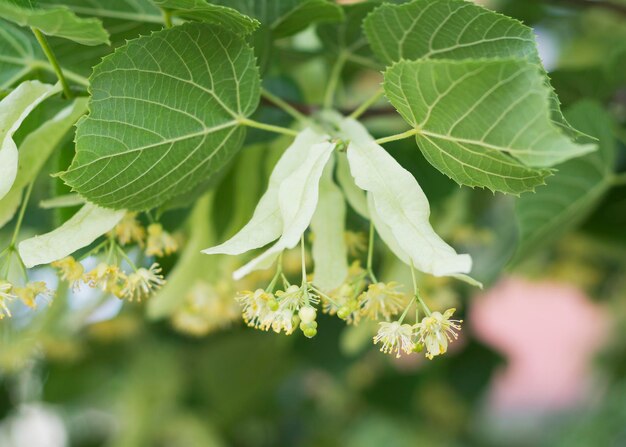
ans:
(111, 279)
(155, 239)
(284, 310)
(433, 333)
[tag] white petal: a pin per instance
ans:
(354, 195)
(266, 223)
(297, 195)
(329, 244)
(400, 203)
(89, 223)
(14, 108)
(34, 152)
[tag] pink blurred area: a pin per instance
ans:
(549, 333)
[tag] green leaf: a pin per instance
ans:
(347, 35)
(446, 29)
(17, 52)
(35, 151)
(475, 119)
(57, 21)
(452, 29)
(575, 190)
(164, 115)
(87, 225)
(133, 11)
(203, 11)
(14, 108)
(287, 17)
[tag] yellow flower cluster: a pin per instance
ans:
(206, 308)
(155, 239)
(111, 279)
(282, 311)
(27, 294)
(434, 333)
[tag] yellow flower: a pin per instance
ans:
(71, 271)
(258, 308)
(130, 230)
(356, 242)
(5, 295)
(29, 293)
(382, 300)
(140, 284)
(436, 330)
(160, 242)
(395, 337)
(109, 278)
(206, 309)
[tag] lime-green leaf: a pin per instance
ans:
(58, 21)
(482, 123)
(132, 11)
(14, 108)
(287, 17)
(452, 29)
(88, 224)
(574, 191)
(203, 11)
(164, 115)
(35, 150)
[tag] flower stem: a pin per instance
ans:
(367, 104)
(20, 217)
(268, 127)
(333, 80)
(167, 18)
(406, 310)
(304, 281)
(43, 42)
(400, 136)
(287, 108)
(417, 293)
(370, 254)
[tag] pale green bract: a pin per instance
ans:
(329, 249)
(286, 209)
(165, 114)
(399, 206)
(14, 108)
(35, 150)
(87, 225)
(482, 123)
(203, 11)
(575, 190)
(58, 21)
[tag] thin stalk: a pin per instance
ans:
(268, 127)
(400, 136)
(367, 104)
(333, 80)
(126, 258)
(287, 108)
(370, 254)
(417, 293)
(406, 311)
(167, 18)
(279, 272)
(53, 62)
(303, 256)
(20, 217)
